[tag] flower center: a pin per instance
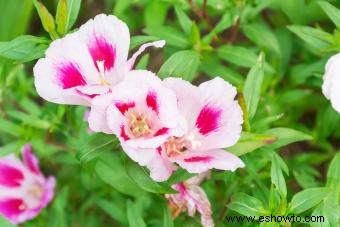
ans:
(177, 145)
(33, 197)
(101, 68)
(138, 124)
(36, 191)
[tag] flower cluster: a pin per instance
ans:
(24, 191)
(160, 124)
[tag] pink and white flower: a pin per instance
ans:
(86, 63)
(211, 120)
(141, 112)
(331, 84)
(191, 198)
(24, 191)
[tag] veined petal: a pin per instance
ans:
(160, 168)
(30, 160)
(10, 176)
(11, 209)
(198, 162)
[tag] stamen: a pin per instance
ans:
(101, 69)
(139, 125)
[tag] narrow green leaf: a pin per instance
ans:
(247, 205)
(333, 174)
(182, 64)
(306, 199)
(140, 39)
(5, 223)
(9, 127)
(58, 215)
(134, 216)
(139, 175)
(286, 136)
(73, 7)
(332, 12)
(46, 18)
(183, 19)
(114, 210)
(277, 177)
(61, 17)
(252, 86)
(172, 36)
(250, 142)
(167, 219)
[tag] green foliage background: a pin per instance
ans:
(274, 51)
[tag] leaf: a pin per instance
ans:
(111, 171)
(61, 17)
(139, 176)
(179, 176)
(141, 39)
(134, 217)
(252, 86)
(316, 38)
(58, 215)
(183, 19)
(306, 199)
(73, 7)
(286, 136)
(172, 36)
(277, 177)
(5, 223)
(113, 210)
(247, 205)
(46, 18)
(332, 12)
(182, 64)
(167, 219)
(95, 145)
(9, 127)
(250, 142)
(262, 36)
(23, 47)
(333, 174)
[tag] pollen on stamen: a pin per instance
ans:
(101, 68)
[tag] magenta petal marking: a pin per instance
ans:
(124, 106)
(11, 207)
(69, 76)
(101, 50)
(123, 133)
(161, 131)
(151, 101)
(208, 119)
(204, 159)
(10, 176)
(30, 160)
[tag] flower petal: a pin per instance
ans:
(160, 168)
(198, 162)
(331, 87)
(11, 209)
(10, 176)
(30, 160)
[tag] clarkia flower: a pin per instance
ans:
(191, 198)
(141, 112)
(331, 84)
(24, 191)
(86, 63)
(211, 119)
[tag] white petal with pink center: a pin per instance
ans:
(331, 84)
(212, 120)
(141, 112)
(24, 191)
(86, 63)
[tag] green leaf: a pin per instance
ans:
(23, 47)
(333, 174)
(46, 18)
(5, 223)
(179, 176)
(141, 39)
(58, 215)
(167, 219)
(262, 36)
(306, 199)
(139, 175)
(277, 177)
(172, 36)
(9, 127)
(155, 8)
(95, 145)
(111, 171)
(113, 210)
(247, 205)
(328, 120)
(250, 142)
(183, 19)
(182, 64)
(286, 136)
(61, 17)
(332, 12)
(315, 38)
(73, 7)
(134, 216)
(252, 86)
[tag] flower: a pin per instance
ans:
(141, 112)
(24, 191)
(191, 197)
(211, 120)
(331, 83)
(86, 63)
